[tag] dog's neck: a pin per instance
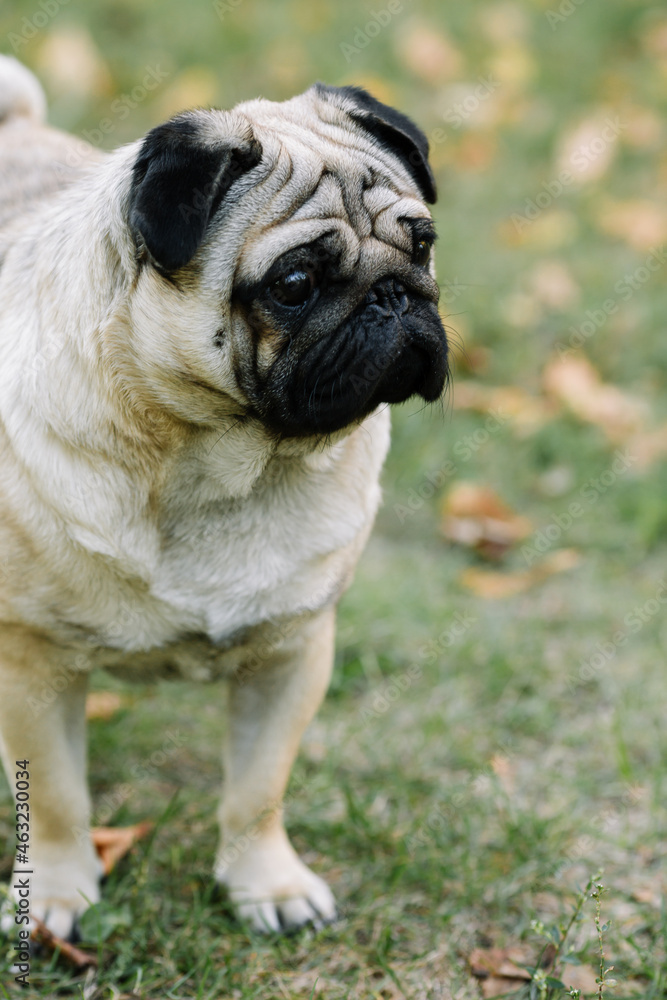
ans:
(69, 375)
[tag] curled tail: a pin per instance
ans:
(21, 94)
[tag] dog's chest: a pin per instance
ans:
(217, 566)
(228, 564)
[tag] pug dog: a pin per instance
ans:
(200, 333)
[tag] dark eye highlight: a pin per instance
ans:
(292, 289)
(423, 237)
(421, 253)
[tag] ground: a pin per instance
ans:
(478, 757)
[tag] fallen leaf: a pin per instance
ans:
(503, 22)
(649, 446)
(505, 771)
(513, 65)
(428, 53)
(472, 104)
(113, 842)
(654, 36)
(473, 360)
(75, 956)
(643, 127)
(475, 151)
(574, 382)
(501, 970)
(586, 150)
(505, 963)
(102, 704)
(650, 894)
(495, 986)
(494, 585)
(580, 977)
(521, 310)
(473, 515)
(553, 285)
(73, 65)
(640, 222)
(552, 228)
(506, 402)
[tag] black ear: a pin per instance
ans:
(178, 182)
(391, 128)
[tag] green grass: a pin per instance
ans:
(485, 796)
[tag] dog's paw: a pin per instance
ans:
(271, 888)
(58, 892)
(58, 915)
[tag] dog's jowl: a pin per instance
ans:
(200, 333)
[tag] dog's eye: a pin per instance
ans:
(292, 289)
(422, 252)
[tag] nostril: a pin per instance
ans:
(389, 296)
(401, 296)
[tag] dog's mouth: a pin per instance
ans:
(393, 346)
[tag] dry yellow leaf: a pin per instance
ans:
(506, 963)
(654, 37)
(551, 228)
(644, 129)
(553, 284)
(102, 704)
(428, 53)
(580, 977)
(471, 360)
(648, 894)
(475, 516)
(521, 310)
(503, 22)
(577, 385)
(640, 222)
(501, 971)
(497, 986)
(475, 151)
(114, 842)
(505, 771)
(473, 104)
(648, 446)
(494, 585)
(587, 150)
(72, 64)
(505, 402)
(513, 65)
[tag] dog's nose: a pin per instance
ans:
(388, 296)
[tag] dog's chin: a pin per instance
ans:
(390, 348)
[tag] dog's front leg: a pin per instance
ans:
(271, 703)
(42, 723)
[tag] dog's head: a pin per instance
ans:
(285, 262)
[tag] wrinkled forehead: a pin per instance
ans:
(323, 174)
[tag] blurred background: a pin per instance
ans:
(495, 731)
